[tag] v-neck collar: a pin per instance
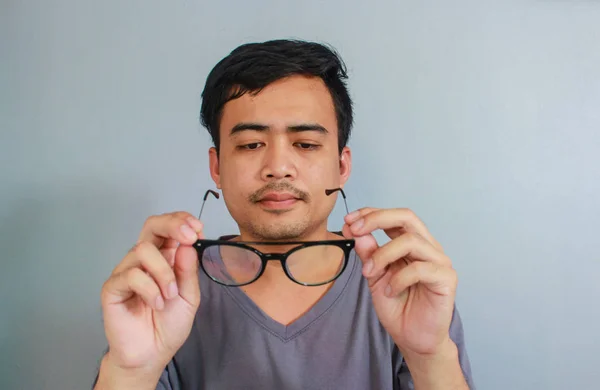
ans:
(287, 332)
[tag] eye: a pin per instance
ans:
(307, 146)
(251, 146)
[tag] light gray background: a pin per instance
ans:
(482, 117)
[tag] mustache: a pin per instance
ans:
(278, 187)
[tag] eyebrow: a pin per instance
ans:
(245, 126)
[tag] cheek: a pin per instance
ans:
(237, 174)
(323, 171)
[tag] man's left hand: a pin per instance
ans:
(412, 282)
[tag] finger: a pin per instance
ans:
(134, 281)
(168, 230)
(393, 221)
(408, 245)
(186, 273)
(364, 246)
(146, 256)
(439, 279)
(370, 218)
(346, 232)
(353, 216)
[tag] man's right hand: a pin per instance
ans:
(150, 301)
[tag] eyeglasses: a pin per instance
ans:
(309, 263)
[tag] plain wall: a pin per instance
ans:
(482, 117)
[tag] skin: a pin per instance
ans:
(285, 140)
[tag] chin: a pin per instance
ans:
(279, 231)
(277, 212)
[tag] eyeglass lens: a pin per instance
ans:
(232, 265)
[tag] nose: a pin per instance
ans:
(278, 162)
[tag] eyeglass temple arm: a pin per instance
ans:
(331, 191)
(215, 194)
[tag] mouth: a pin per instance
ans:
(278, 200)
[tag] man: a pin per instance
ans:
(373, 317)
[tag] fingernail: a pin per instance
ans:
(173, 290)
(368, 267)
(388, 291)
(195, 224)
(160, 303)
(358, 224)
(188, 232)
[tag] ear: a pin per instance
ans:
(345, 165)
(213, 164)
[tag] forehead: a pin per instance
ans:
(289, 101)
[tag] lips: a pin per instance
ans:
(277, 197)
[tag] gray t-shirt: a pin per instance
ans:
(338, 344)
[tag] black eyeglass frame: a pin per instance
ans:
(346, 245)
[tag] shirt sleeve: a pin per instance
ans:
(405, 381)
(169, 380)
(457, 335)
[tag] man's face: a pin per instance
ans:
(278, 154)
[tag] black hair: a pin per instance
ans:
(251, 67)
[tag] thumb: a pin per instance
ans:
(364, 245)
(186, 273)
